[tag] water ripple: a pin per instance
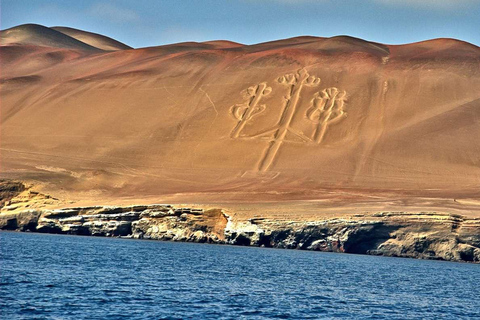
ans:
(68, 277)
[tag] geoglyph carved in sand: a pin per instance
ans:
(326, 109)
(247, 110)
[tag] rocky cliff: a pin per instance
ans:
(425, 235)
(159, 222)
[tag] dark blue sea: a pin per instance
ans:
(72, 277)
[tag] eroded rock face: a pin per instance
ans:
(181, 224)
(423, 235)
(16, 196)
(9, 190)
(160, 222)
(426, 235)
(22, 221)
(95, 221)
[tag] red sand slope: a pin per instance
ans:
(355, 124)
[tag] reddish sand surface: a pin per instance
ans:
(302, 127)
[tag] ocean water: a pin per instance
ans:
(72, 277)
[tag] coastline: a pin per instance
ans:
(421, 235)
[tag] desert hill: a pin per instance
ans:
(94, 39)
(34, 34)
(59, 37)
(309, 125)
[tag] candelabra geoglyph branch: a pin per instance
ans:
(326, 109)
(295, 82)
(246, 111)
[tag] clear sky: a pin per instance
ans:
(141, 23)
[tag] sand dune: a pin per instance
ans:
(94, 39)
(223, 44)
(383, 127)
(34, 34)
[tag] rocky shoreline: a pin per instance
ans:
(426, 235)
(423, 235)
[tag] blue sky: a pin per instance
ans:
(141, 23)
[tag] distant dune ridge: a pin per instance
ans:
(59, 37)
(333, 125)
(93, 39)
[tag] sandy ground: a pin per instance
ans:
(303, 127)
